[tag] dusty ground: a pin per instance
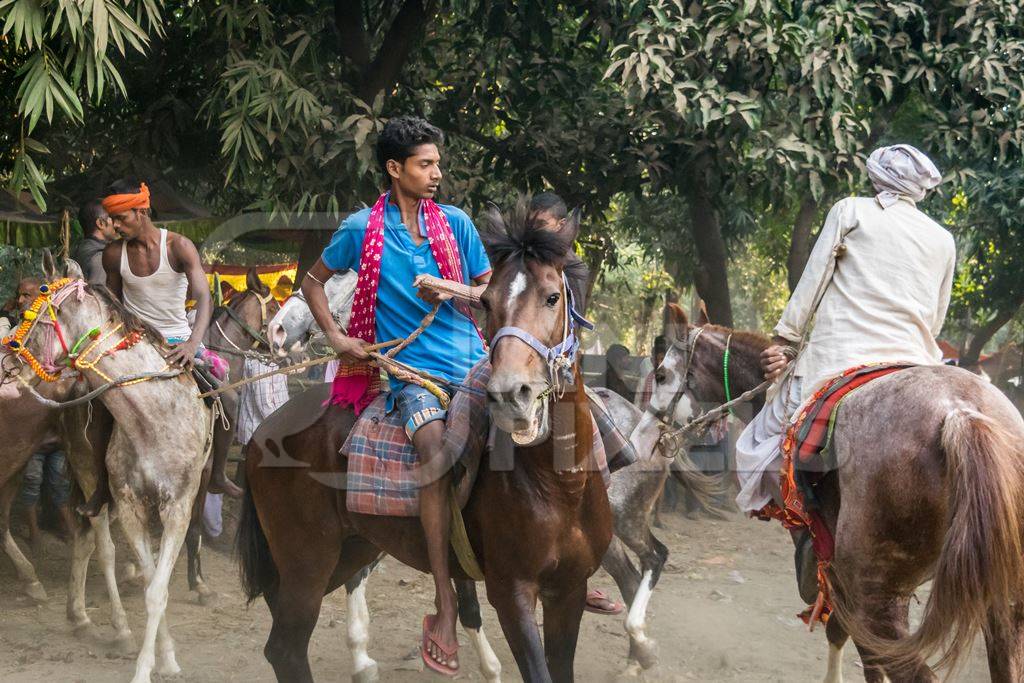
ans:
(724, 611)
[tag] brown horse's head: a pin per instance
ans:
(527, 292)
(250, 311)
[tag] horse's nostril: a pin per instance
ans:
(524, 391)
(493, 396)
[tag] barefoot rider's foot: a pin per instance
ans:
(224, 485)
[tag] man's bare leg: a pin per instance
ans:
(435, 518)
(222, 438)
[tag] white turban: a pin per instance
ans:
(901, 171)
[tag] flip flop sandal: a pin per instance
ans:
(612, 609)
(450, 651)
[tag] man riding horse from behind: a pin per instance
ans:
(152, 270)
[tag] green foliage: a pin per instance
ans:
(61, 50)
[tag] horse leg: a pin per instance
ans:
(83, 542)
(562, 615)
(134, 523)
(652, 554)
(515, 602)
(26, 572)
(175, 518)
(124, 641)
(469, 615)
(617, 563)
(295, 607)
(194, 547)
(837, 638)
(1005, 646)
(889, 617)
(364, 668)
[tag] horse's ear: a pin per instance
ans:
(73, 270)
(702, 315)
(676, 322)
(254, 284)
(570, 228)
(49, 266)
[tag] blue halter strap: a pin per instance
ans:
(561, 357)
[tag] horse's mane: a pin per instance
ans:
(744, 337)
(519, 236)
(130, 320)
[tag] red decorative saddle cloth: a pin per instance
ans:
(806, 459)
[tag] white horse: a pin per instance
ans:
(158, 447)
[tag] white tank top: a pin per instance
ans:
(159, 299)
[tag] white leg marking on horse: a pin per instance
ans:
(490, 665)
(636, 621)
(835, 664)
(26, 572)
(517, 287)
(359, 633)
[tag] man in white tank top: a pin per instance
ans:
(152, 270)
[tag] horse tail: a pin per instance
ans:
(255, 563)
(705, 489)
(979, 574)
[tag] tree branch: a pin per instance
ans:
(984, 333)
(407, 28)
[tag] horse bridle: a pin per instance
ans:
(561, 357)
(257, 337)
(689, 348)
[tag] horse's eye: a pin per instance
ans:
(485, 304)
(659, 377)
(553, 300)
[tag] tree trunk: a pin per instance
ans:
(801, 242)
(595, 263)
(972, 355)
(711, 278)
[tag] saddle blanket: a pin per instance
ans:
(382, 477)
(806, 458)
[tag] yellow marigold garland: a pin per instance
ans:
(16, 342)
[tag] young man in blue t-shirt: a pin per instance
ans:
(407, 152)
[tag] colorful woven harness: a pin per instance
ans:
(44, 311)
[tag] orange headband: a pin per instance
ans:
(121, 203)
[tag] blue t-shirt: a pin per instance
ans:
(450, 346)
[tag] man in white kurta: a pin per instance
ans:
(883, 297)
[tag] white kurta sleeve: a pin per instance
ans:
(818, 269)
(944, 294)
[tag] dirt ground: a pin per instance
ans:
(724, 611)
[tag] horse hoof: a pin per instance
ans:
(647, 654)
(632, 670)
(85, 631)
(36, 591)
(207, 598)
(125, 646)
(169, 668)
(369, 674)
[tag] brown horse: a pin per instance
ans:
(539, 527)
(236, 330)
(930, 485)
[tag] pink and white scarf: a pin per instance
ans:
(358, 385)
